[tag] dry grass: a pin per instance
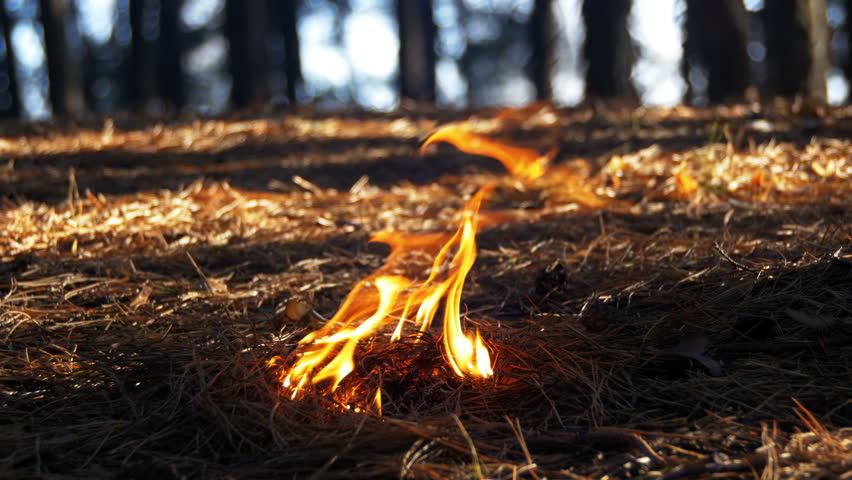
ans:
(674, 300)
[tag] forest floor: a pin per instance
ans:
(672, 299)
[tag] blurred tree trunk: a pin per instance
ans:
(796, 47)
(170, 70)
(13, 109)
(245, 27)
(63, 67)
(292, 56)
(416, 50)
(608, 50)
(846, 63)
(144, 25)
(820, 48)
(717, 41)
(542, 39)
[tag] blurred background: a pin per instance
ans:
(76, 58)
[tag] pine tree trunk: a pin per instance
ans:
(608, 49)
(170, 70)
(717, 40)
(14, 105)
(788, 56)
(542, 39)
(292, 55)
(245, 27)
(63, 69)
(144, 55)
(819, 38)
(416, 50)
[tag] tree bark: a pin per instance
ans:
(717, 40)
(416, 50)
(608, 50)
(63, 68)
(819, 39)
(144, 25)
(245, 26)
(846, 63)
(292, 55)
(542, 39)
(14, 105)
(796, 47)
(170, 70)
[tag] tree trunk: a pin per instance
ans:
(717, 40)
(11, 100)
(542, 39)
(170, 70)
(144, 25)
(416, 50)
(819, 39)
(846, 63)
(608, 49)
(292, 56)
(245, 27)
(796, 47)
(63, 68)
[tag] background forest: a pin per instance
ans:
(77, 57)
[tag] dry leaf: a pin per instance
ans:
(141, 297)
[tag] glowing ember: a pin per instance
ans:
(327, 356)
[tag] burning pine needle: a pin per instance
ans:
(327, 355)
(522, 162)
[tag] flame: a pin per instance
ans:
(380, 299)
(377, 401)
(526, 163)
(327, 356)
(686, 185)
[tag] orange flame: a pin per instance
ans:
(327, 355)
(686, 185)
(522, 162)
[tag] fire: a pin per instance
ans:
(685, 183)
(382, 299)
(522, 162)
(327, 356)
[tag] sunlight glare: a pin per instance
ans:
(657, 28)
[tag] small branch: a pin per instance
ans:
(732, 261)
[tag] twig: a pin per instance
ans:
(732, 261)
(469, 441)
(516, 429)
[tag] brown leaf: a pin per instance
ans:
(141, 297)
